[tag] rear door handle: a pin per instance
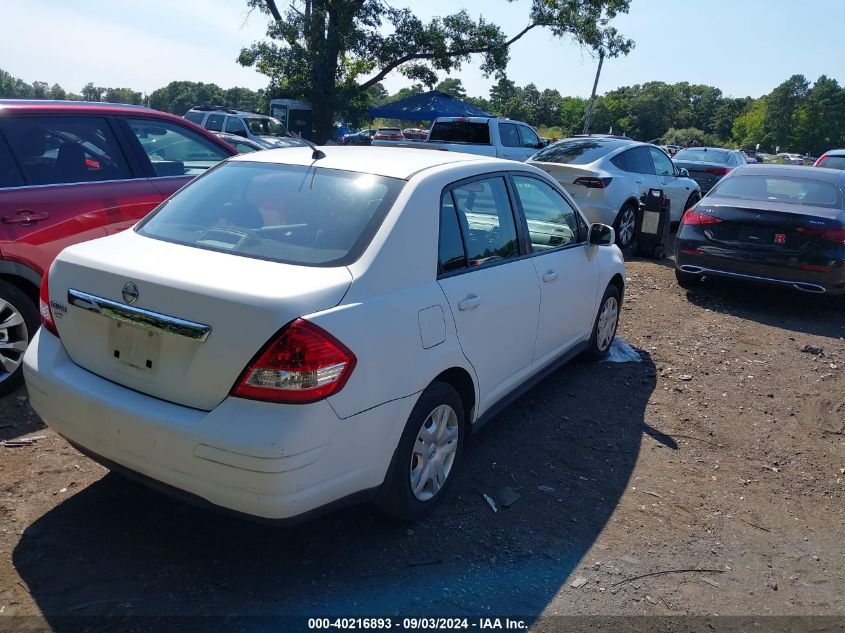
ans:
(550, 276)
(25, 216)
(470, 303)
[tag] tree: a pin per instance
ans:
(90, 92)
(123, 95)
(330, 51)
(502, 91)
(452, 87)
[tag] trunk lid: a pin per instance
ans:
(767, 226)
(566, 174)
(244, 301)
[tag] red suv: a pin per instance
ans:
(70, 172)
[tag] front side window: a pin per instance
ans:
(175, 150)
(509, 135)
(264, 126)
(662, 165)
(485, 213)
(552, 222)
(292, 214)
(235, 126)
(528, 138)
(64, 149)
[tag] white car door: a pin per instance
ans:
(492, 289)
(530, 142)
(678, 190)
(567, 271)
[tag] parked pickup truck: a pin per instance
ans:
(502, 138)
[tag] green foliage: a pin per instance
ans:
(452, 87)
(691, 137)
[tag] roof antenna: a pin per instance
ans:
(316, 153)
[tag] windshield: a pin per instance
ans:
(703, 155)
(285, 213)
(264, 126)
(791, 190)
(577, 151)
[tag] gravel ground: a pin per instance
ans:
(723, 450)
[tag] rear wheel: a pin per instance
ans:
(18, 323)
(693, 200)
(607, 320)
(625, 225)
(428, 452)
(687, 280)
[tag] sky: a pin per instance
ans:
(743, 47)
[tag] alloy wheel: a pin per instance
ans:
(14, 339)
(627, 223)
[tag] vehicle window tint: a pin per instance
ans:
(452, 256)
(57, 150)
(484, 211)
(214, 122)
(461, 132)
(578, 151)
(662, 165)
(243, 148)
(620, 162)
(175, 150)
(704, 155)
(235, 126)
(302, 215)
(195, 117)
(529, 137)
(551, 220)
(9, 174)
(510, 137)
(639, 161)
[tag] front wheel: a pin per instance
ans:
(18, 322)
(625, 225)
(428, 452)
(604, 328)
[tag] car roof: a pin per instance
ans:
(835, 176)
(35, 106)
(836, 152)
(393, 162)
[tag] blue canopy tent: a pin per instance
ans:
(426, 107)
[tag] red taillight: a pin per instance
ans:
(831, 234)
(593, 183)
(696, 218)
(815, 269)
(302, 364)
(820, 160)
(44, 306)
(718, 171)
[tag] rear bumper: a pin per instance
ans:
(262, 459)
(758, 267)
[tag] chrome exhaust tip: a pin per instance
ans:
(813, 288)
(695, 270)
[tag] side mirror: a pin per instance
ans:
(602, 235)
(683, 173)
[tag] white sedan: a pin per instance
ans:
(297, 330)
(607, 175)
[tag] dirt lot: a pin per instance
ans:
(722, 450)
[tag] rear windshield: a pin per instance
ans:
(791, 190)
(833, 162)
(577, 151)
(703, 155)
(285, 213)
(461, 132)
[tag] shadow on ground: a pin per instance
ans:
(17, 419)
(116, 549)
(771, 305)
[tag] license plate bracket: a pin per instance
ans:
(134, 346)
(756, 234)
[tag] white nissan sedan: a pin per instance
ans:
(296, 330)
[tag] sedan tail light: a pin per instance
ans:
(302, 364)
(44, 306)
(835, 234)
(718, 171)
(697, 218)
(593, 183)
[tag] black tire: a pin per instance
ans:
(687, 280)
(14, 305)
(599, 347)
(396, 496)
(627, 218)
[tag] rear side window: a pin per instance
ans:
(620, 161)
(214, 122)
(577, 151)
(461, 132)
(452, 255)
(195, 117)
(175, 150)
(299, 215)
(486, 218)
(60, 150)
(9, 174)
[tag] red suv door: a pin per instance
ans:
(76, 183)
